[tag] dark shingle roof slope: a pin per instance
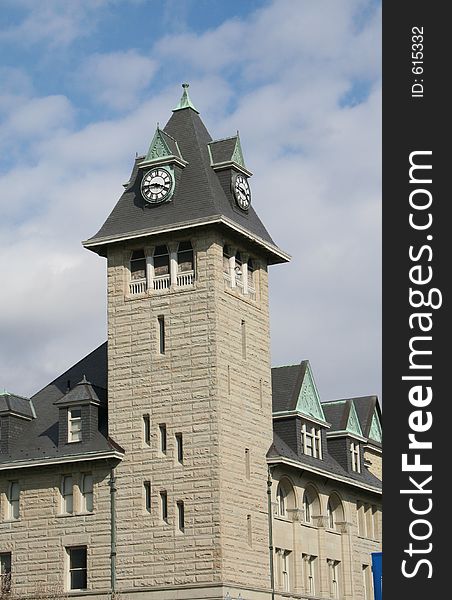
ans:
(13, 404)
(198, 198)
(286, 385)
(40, 439)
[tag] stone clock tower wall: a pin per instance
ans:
(212, 384)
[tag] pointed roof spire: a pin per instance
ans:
(185, 101)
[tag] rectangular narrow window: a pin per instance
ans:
(284, 575)
(361, 519)
(356, 462)
(13, 500)
(249, 530)
(161, 326)
(333, 566)
(181, 515)
(247, 463)
(367, 582)
(67, 495)
(261, 395)
(87, 492)
(229, 380)
(78, 573)
(162, 434)
(5, 572)
(375, 527)
(147, 495)
(164, 506)
(147, 429)
(310, 574)
(74, 424)
(243, 339)
(179, 448)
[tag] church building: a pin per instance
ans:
(173, 462)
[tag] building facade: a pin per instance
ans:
(173, 462)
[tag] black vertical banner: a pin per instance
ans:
(417, 258)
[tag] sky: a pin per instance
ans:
(82, 86)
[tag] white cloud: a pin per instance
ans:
(117, 79)
(316, 186)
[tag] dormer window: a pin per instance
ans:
(138, 283)
(312, 441)
(75, 424)
(356, 458)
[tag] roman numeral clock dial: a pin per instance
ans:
(241, 191)
(156, 185)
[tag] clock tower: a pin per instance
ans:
(189, 381)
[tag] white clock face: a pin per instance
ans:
(156, 185)
(242, 192)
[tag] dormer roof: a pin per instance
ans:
(82, 393)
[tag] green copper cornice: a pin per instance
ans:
(375, 428)
(309, 399)
(185, 101)
(353, 425)
(158, 147)
(237, 155)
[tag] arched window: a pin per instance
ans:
(185, 259)
(334, 511)
(285, 498)
(311, 504)
(137, 265)
(161, 261)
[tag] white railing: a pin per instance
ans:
(185, 279)
(137, 286)
(162, 282)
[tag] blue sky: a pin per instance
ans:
(82, 85)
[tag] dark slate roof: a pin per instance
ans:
(11, 403)
(286, 385)
(337, 413)
(222, 150)
(198, 198)
(365, 407)
(40, 439)
(82, 393)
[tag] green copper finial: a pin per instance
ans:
(185, 101)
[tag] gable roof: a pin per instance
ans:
(294, 389)
(198, 199)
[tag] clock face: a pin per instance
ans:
(156, 185)
(242, 192)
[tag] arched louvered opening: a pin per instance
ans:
(226, 257)
(238, 270)
(185, 264)
(250, 278)
(161, 267)
(138, 283)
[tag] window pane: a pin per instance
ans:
(76, 413)
(161, 261)
(78, 580)
(78, 558)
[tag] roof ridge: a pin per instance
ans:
(232, 137)
(69, 369)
